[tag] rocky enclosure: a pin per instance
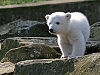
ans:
(87, 65)
(27, 48)
(40, 55)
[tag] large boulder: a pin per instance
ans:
(87, 65)
(16, 42)
(8, 44)
(24, 28)
(29, 52)
(17, 45)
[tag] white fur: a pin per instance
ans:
(72, 32)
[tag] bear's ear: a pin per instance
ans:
(68, 15)
(47, 17)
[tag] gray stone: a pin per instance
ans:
(24, 28)
(7, 68)
(95, 31)
(28, 52)
(16, 42)
(92, 46)
(8, 44)
(87, 65)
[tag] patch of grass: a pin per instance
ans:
(8, 2)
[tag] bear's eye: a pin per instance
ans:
(57, 23)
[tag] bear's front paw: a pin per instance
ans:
(71, 56)
(63, 57)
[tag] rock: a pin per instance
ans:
(92, 47)
(24, 28)
(95, 31)
(29, 52)
(16, 42)
(39, 30)
(7, 68)
(87, 65)
(9, 44)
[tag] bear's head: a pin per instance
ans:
(58, 22)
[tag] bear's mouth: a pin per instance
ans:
(52, 33)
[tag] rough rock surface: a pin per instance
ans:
(24, 28)
(16, 42)
(95, 31)
(7, 45)
(7, 68)
(87, 65)
(92, 47)
(17, 45)
(29, 52)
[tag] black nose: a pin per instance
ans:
(51, 30)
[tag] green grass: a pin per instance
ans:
(8, 2)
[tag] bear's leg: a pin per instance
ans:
(66, 51)
(78, 46)
(66, 48)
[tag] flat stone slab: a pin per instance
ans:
(86, 65)
(39, 3)
(50, 41)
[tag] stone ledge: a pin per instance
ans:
(39, 3)
(86, 65)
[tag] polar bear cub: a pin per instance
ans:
(72, 30)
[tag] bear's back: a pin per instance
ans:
(78, 16)
(80, 22)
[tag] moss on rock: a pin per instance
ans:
(7, 45)
(95, 31)
(28, 52)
